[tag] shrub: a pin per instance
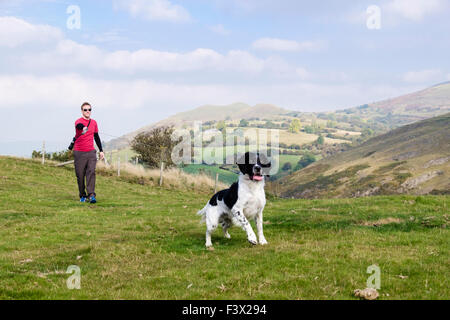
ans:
(287, 166)
(305, 160)
(155, 146)
(320, 140)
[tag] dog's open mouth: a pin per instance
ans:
(257, 177)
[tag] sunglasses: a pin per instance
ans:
(87, 110)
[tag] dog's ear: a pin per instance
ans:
(265, 163)
(246, 161)
(241, 162)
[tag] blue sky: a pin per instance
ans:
(139, 61)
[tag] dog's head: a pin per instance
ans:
(255, 165)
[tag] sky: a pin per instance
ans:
(140, 61)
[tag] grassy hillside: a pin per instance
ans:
(422, 104)
(411, 159)
(144, 242)
(225, 176)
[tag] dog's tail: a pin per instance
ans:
(202, 213)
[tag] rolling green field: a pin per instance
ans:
(229, 177)
(142, 242)
(225, 176)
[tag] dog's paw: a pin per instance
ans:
(227, 235)
(263, 242)
(252, 240)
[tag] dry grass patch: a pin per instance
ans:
(173, 178)
(381, 222)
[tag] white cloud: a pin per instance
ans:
(422, 76)
(220, 29)
(302, 73)
(414, 10)
(63, 55)
(70, 55)
(63, 72)
(69, 90)
(111, 36)
(393, 12)
(15, 32)
(274, 44)
(154, 10)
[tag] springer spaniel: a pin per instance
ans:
(243, 201)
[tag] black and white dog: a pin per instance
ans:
(243, 201)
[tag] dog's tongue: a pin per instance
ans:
(257, 178)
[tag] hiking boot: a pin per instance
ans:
(83, 199)
(92, 199)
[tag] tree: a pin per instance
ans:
(309, 129)
(305, 161)
(331, 124)
(155, 146)
(320, 140)
(367, 132)
(295, 126)
(287, 166)
(221, 125)
(243, 123)
(38, 155)
(269, 125)
(63, 156)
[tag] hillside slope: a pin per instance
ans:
(144, 242)
(392, 113)
(411, 159)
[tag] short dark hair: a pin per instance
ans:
(85, 104)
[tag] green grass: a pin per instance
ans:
(224, 175)
(142, 242)
(230, 177)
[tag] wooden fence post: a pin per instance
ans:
(161, 174)
(215, 184)
(118, 166)
(162, 148)
(43, 152)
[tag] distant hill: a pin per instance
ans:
(204, 113)
(412, 159)
(379, 116)
(233, 111)
(392, 113)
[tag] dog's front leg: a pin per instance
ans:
(240, 220)
(259, 228)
